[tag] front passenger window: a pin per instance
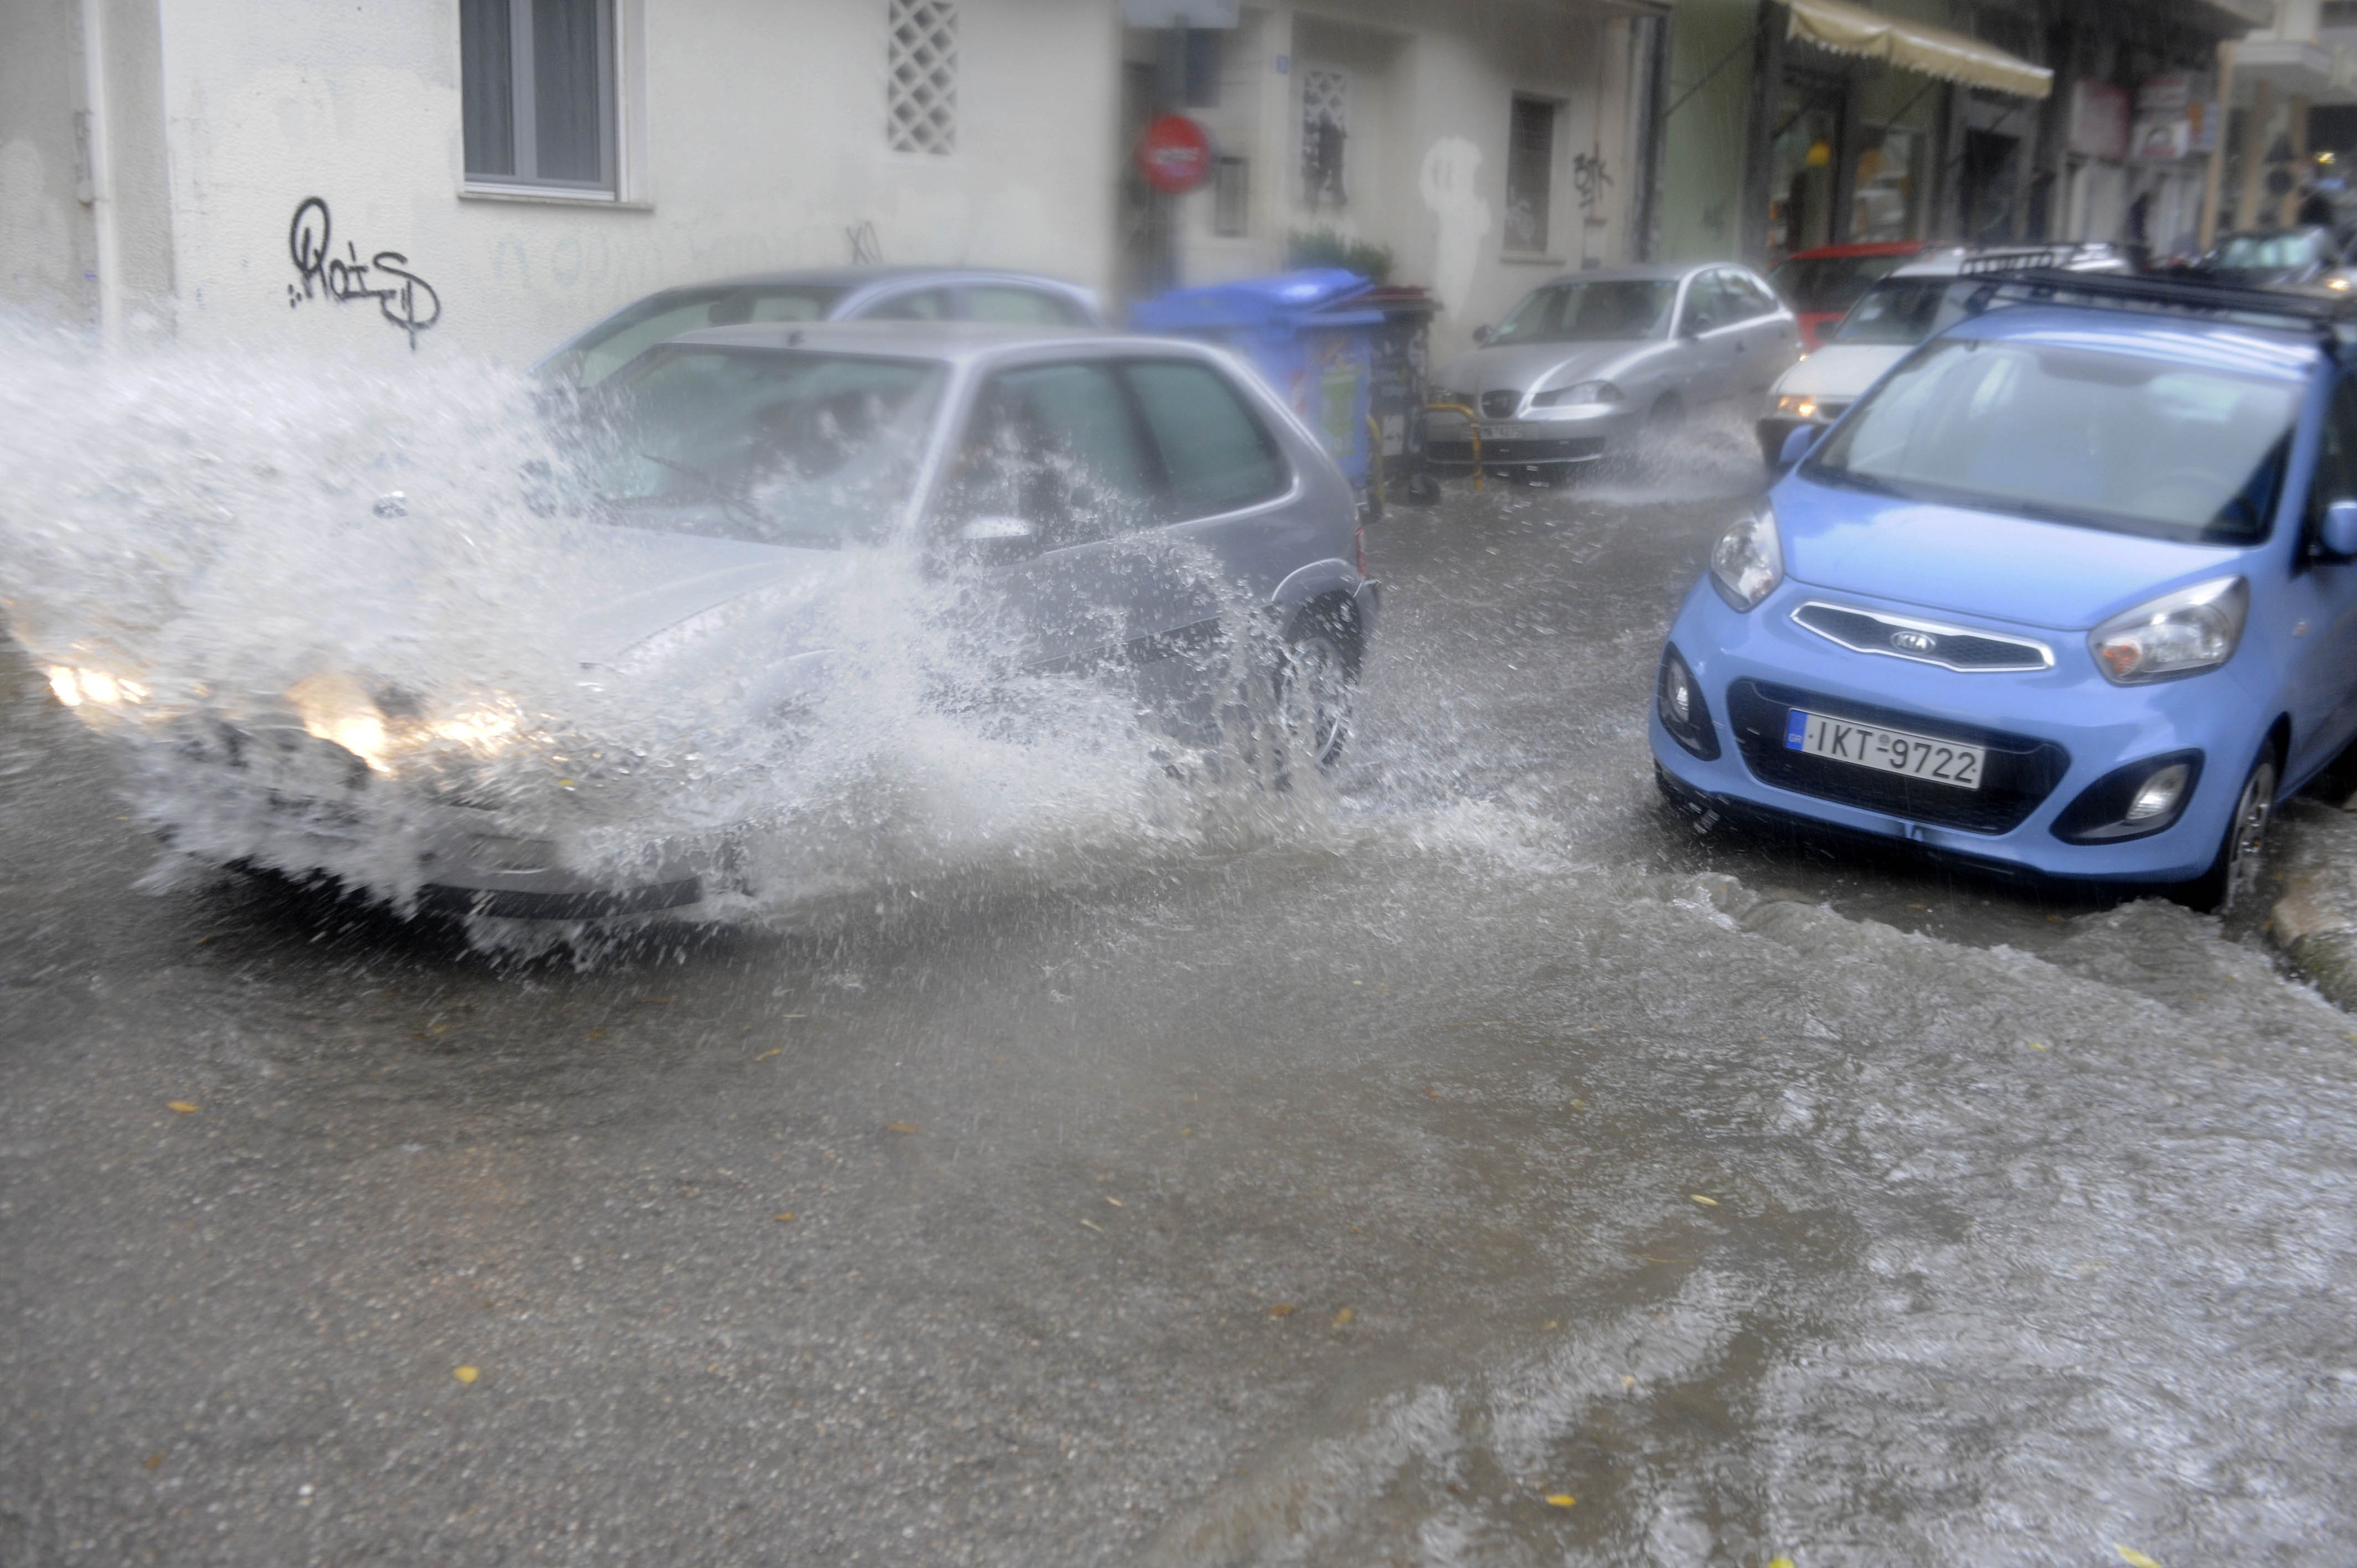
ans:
(1703, 310)
(2336, 457)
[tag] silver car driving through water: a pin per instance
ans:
(1111, 505)
(1592, 363)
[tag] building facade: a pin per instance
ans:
(394, 176)
(1794, 124)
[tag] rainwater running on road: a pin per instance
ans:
(1489, 1172)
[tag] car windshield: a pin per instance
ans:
(623, 336)
(2266, 252)
(2069, 434)
(1817, 285)
(774, 447)
(1895, 310)
(1603, 311)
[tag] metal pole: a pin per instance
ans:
(1759, 124)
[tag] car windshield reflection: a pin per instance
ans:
(2073, 436)
(770, 447)
(1897, 310)
(1605, 311)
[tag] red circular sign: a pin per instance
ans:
(1173, 154)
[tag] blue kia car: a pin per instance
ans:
(2072, 591)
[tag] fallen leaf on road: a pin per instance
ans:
(182, 1106)
(1344, 1318)
(597, 1034)
(1626, 1380)
(465, 1374)
(1706, 1202)
(660, 1001)
(902, 1127)
(785, 1219)
(1094, 1226)
(154, 1460)
(2037, 1044)
(773, 1050)
(1780, 1562)
(439, 1026)
(1283, 1309)
(2132, 1558)
(1561, 1499)
(1115, 1201)
(1432, 1094)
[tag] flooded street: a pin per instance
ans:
(1476, 1166)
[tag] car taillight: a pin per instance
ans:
(1359, 545)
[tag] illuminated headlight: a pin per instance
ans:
(336, 708)
(76, 687)
(1747, 562)
(1585, 393)
(1797, 406)
(2183, 633)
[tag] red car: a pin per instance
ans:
(1823, 283)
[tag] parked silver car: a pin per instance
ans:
(1586, 365)
(835, 294)
(1102, 504)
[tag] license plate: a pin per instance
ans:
(1885, 750)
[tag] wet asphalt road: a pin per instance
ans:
(1483, 1168)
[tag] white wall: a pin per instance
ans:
(763, 143)
(1432, 82)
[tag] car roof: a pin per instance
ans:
(1649, 271)
(951, 342)
(2234, 347)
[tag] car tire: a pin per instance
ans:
(1316, 689)
(2233, 876)
(1668, 413)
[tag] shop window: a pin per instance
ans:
(1882, 197)
(1530, 174)
(536, 85)
(1230, 197)
(920, 86)
(1325, 132)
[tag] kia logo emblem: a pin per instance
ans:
(1913, 642)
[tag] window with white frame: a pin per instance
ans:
(1324, 130)
(1530, 174)
(536, 84)
(920, 84)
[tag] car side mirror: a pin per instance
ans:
(2338, 537)
(998, 539)
(1797, 441)
(1483, 334)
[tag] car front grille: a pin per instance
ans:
(2021, 770)
(1500, 405)
(1926, 642)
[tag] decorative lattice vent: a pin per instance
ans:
(1325, 127)
(920, 97)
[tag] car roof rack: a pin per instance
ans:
(2331, 316)
(2025, 258)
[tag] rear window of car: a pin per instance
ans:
(1895, 310)
(2096, 439)
(1817, 285)
(631, 331)
(1030, 307)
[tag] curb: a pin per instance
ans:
(2314, 922)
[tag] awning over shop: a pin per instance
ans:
(1850, 29)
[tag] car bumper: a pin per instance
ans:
(1529, 443)
(2065, 728)
(306, 807)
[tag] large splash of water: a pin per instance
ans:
(329, 619)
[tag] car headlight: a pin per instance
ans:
(2182, 633)
(1585, 393)
(336, 708)
(1747, 562)
(75, 687)
(1797, 406)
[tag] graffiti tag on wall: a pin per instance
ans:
(406, 300)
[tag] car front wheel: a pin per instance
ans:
(2233, 877)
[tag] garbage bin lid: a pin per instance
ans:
(1247, 302)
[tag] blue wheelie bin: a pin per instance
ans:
(1304, 334)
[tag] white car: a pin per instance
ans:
(1888, 321)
